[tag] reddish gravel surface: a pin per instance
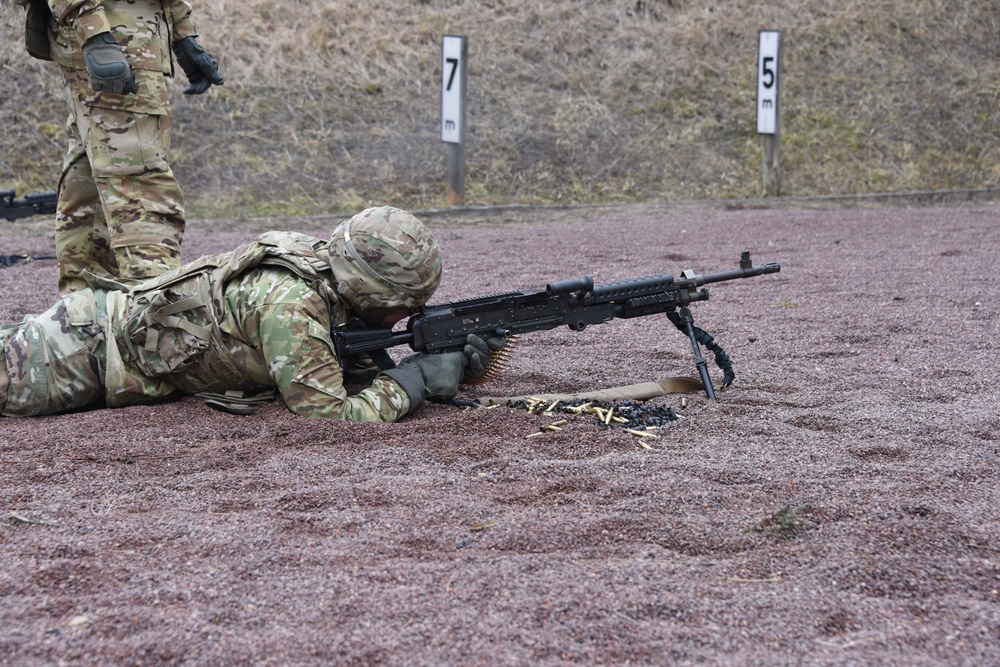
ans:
(865, 405)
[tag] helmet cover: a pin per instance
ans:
(386, 261)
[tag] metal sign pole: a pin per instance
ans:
(769, 107)
(453, 87)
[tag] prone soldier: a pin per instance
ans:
(238, 328)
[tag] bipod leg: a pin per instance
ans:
(699, 360)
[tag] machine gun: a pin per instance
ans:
(575, 303)
(42, 203)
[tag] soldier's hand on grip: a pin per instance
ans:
(107, 68)
(429, 376)
(201, 68)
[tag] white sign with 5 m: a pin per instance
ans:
(768, 62)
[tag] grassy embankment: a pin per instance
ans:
(331, 105)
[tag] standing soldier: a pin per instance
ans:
(120, 212)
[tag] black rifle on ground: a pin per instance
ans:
(11, 260)
(574, 303)
(42, 203)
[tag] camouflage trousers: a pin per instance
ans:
(54, 362)
(120, 211)
(65, 359)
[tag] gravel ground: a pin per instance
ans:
(837, 505)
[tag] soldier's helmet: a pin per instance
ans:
(386, 262)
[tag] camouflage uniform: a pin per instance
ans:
(120, 210)
(231, 329)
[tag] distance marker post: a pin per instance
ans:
(769, 106)
(453, 87)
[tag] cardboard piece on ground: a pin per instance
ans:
(634, 392)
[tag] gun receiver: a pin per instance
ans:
(42, 203)
(576, 303)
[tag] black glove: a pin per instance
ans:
(429, 376)
(478, 351)
(201, 68)
(107, 67)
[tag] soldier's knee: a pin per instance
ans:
(139, 262)
(70, 284)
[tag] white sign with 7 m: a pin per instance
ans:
(452, 95)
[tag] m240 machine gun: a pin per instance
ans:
(576, 303)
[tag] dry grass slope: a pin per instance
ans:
(330, 105)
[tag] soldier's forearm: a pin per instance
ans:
(85, 17)
(179, 14)
(70, 11)
(383, 401)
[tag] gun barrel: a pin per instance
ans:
(633, 289)
(759, 270)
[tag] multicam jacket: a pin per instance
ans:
(233, 328)
(145, 29)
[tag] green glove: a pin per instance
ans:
(429, 376)
(107, 67)
(201, 68)
(479, 351)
